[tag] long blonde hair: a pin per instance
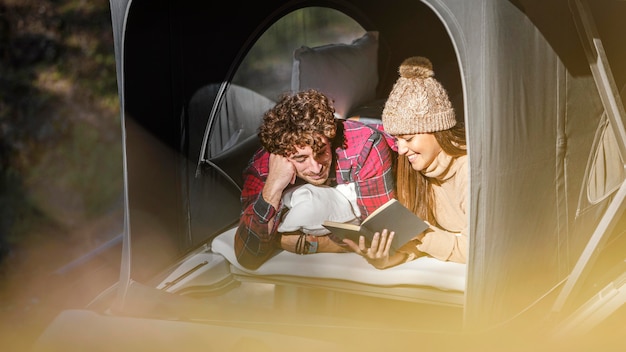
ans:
(414, 189)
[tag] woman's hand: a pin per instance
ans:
(378, 252)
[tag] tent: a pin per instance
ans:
(539, 86)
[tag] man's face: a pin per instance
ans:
(314, 169)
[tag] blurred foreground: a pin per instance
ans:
(60, 160)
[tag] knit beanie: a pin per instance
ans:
(418, 103)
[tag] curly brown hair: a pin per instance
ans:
(298, 119)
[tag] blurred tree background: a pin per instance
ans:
(61, 173)
(60, 133)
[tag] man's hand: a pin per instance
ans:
(281, 174)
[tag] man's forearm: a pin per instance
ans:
(325, 244)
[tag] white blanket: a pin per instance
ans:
(424, 271)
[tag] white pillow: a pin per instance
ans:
(310, 205)
(346, 73)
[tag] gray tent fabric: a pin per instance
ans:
(530, 125)
(238, 118)
(545, 140)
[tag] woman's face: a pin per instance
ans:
(420, 149)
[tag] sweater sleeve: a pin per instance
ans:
(445, 245)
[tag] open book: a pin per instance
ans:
(392, 216)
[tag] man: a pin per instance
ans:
(304, 143)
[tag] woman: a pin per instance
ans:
(432, 174)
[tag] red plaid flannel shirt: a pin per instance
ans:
(367, 160)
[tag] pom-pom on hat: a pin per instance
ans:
(418, 103)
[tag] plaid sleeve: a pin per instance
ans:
(367, 161)
(254, 243)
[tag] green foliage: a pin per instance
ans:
(60, 135)
(266, 68)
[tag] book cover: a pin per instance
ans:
(392, 216)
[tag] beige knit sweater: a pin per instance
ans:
(450, 185)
